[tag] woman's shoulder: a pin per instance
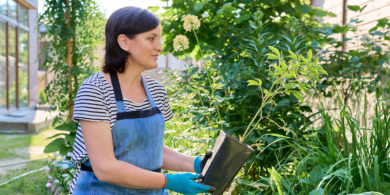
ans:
(94, 82)
(96, 78)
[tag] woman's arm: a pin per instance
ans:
(176, 161)
(98, 142)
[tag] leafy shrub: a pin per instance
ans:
(234, 38)
(360, 166)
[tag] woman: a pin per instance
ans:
(121, 113)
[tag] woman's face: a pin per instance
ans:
(144, 49)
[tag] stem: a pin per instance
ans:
(69, 62)
(265, 99)
(208, 76)
(201, 100)
(261, 117)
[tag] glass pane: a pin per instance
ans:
(23, 15)
(12, 5)
(3, 7)
(23, 68)
(3, 73)
(11, 66)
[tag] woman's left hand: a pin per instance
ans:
(199, 164)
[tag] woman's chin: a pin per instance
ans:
(152, 66)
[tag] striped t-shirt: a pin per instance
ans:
(95, 101)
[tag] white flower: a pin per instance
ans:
(57, 160)
(191, 22)
(65, 166)
(180, 43)
(48, 184)
(63, 157)
(69, 154)
(56, 181)
(50, 177)
(55, 154)
(47, 168)
(205, 14)
(65, 175)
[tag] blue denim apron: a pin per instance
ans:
(138, 139)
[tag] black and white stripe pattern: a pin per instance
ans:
(95, 101)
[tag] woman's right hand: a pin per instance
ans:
(183, 183)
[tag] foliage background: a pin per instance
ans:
(234, 37)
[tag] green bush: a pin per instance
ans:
(234, 37)
(360, 166)
(363, 61)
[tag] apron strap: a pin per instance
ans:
(148, 93)
(116, 86)
(120, 105)
(118, 93)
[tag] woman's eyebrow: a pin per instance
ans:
(155, 34)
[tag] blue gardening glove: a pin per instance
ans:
(199, 164)
(183, 183)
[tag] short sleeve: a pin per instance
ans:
(168, 114)
(90, 104)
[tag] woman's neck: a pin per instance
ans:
(131, 78)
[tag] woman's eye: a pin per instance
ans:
(152, 38)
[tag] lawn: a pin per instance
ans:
(16, 148)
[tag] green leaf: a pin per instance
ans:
(284, 103)
(265, 92)
(382, 22)
(316, 174)
(70, 138)
(154, 9)
(297, 95)
(331, 14)
(272, 56)
(56, 135)
(220, 11)
(245, 17)
(284, 66)
(321, 13)
(293, 55)
(67, 126)
(277, 68)
(276, 51)
(55, 145)
(381, 61)
(354, 8)
(314, 78)
(354, 59)
(252, 82)
(319, 192)
(305, 9)
(306, 181)
(259, 81)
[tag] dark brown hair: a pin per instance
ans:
(129, 21)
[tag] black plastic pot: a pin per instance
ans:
(229, 155)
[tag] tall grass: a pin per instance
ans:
(329, 163)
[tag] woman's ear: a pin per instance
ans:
(123, 42)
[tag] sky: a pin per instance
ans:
(109, 6)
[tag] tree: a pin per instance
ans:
(74, 28)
